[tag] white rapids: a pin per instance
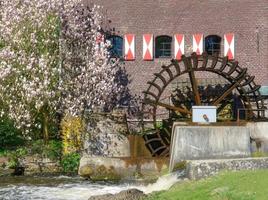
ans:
(81, 190)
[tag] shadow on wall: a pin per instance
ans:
(123, 99)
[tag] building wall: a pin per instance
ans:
(247, 19)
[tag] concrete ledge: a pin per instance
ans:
(198, 169)
(209, 142)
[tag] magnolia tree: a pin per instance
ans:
(53, 58)
(88, 77)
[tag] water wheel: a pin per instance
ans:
(239, 91)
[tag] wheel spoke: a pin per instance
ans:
(194, 86)
(167, 106)
(226, 93)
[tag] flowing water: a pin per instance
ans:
(66, 188)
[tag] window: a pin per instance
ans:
(163, 46)
(116, 49)
(213, 44)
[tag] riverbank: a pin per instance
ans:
(242, 185)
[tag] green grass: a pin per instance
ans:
(242, 185)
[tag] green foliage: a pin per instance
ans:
(10, 137)
(3, 153)
(52, 150)
(159, 124)
(15, 157)
(70, 162)
(242, 185)
(37, 147)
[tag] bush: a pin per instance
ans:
(53, 150)
(37, 147)
(10, 136)
(72, 129)
(3, 153)
(70, 162)
(15, 157)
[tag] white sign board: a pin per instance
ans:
(204, 114)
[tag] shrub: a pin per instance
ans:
(10, 137)
(15, 157)
(53, 150)
(72, 129)
(37, 147)
(70, 162)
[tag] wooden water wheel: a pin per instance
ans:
(239, 89)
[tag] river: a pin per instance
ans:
(71, 188)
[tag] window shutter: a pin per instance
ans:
(147, 47)
(229, 45)
(198, 43)
(178, 46)
(129, 41)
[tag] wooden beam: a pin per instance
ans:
(167, 106)
(194, 86)
(227, 92)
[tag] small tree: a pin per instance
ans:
(52, 57)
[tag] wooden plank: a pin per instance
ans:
(181, 110)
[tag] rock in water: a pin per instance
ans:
(18, 171)
(131, 194)
(102, 197)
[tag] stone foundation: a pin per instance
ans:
(198, 169)
(103, 168)
(32, 166)
(106, 135)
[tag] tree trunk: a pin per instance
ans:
(45, 127)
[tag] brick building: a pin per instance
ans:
(246, 19)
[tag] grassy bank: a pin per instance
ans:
(243, 185)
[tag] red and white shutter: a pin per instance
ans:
(99, 38)
(178, 46)
(198, 43)
(229, 45)
(129, 41)
(147, 47)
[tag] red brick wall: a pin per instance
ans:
(245, 18)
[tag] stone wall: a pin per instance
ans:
(33, 165)
(106, 135)
(198, 169)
